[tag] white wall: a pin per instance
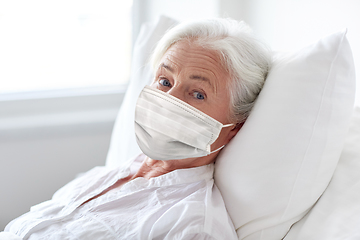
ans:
(45, 143)
(149, 10)
(32, 168)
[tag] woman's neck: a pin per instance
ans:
(153, 168)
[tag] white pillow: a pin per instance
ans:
(123, 145)
(337, 214)
(283, 158)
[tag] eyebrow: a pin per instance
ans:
(198, 77)
(167, 67)
(194, 77)
(203, 79)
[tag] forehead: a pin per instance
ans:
(188, 54)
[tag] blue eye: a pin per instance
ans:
(199, 95)
(165, 82)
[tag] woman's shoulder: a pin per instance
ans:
(9, 236)
(201, 215)
(80, 179)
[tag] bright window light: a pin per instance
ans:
(62, 44)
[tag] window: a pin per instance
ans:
(64, 44)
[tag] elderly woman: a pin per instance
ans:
(208, 75)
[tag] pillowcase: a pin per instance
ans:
(282, 160)
(337, 213)
(123, 145)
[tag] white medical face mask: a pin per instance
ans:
(167, 128)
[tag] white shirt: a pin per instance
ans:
(182, 204)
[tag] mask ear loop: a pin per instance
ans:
(226, 125)
(217, 149)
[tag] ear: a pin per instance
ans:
(233, 132)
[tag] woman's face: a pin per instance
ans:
(195, 75)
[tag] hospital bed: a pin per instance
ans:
(293, 170)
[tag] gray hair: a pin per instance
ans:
(245, 58)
